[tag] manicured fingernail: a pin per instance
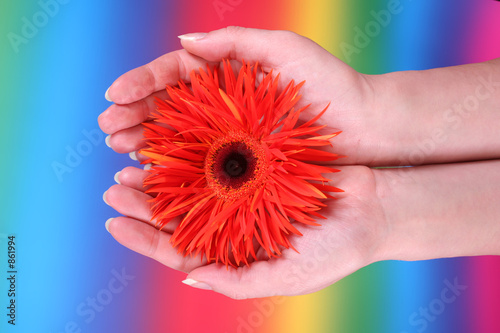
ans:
(107, 223)
(104, 198)
(193, 36)
(133, 155)
(196, 284)
(148, 166)
(107, 140)
(106, 95)
(116, 177)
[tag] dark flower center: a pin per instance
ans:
(236, 165)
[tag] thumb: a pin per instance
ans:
(271, 48)
(259, 279)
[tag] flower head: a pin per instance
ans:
(232, 162)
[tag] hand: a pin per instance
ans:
(400, 118)
(350, 238)
(328, 80)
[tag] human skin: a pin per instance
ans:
(418, 117)
(384, 119)
(421, 213)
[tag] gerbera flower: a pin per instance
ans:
(231, 160)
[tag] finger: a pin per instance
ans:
(154, 76)
(137, 156)
(270, 48)
(129, 202)
(121, 116)
(135, 204)
(141, 158)
(133, 178)
(259, 279)
(151, 242)
(293, 273)
(128, 140)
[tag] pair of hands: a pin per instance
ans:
(357, 228)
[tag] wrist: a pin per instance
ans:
(438, 115)
(440, 211)
(388, 117)
(389, 248)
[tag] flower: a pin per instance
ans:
(232, 162)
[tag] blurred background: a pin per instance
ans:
(58, 57)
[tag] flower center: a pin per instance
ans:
(235, 165)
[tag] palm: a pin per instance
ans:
(346, 242)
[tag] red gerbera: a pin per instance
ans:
(230, 160)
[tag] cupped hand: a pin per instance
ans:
(328, 80)
(350, 238)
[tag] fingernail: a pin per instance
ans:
(133, 155)
(107, 223)
(107, 140)
(193, 36)
(116, 177)
(196, 284)
(104, 198)
(106, 95)
(148, 166)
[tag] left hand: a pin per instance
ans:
(349, 239)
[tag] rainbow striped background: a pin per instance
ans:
(58, 58)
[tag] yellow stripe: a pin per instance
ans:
(323, 21)
(320, 20)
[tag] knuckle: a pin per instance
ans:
(153, 245)
(235, 30)
(286, 34)
(145, 108)
(237, 295)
